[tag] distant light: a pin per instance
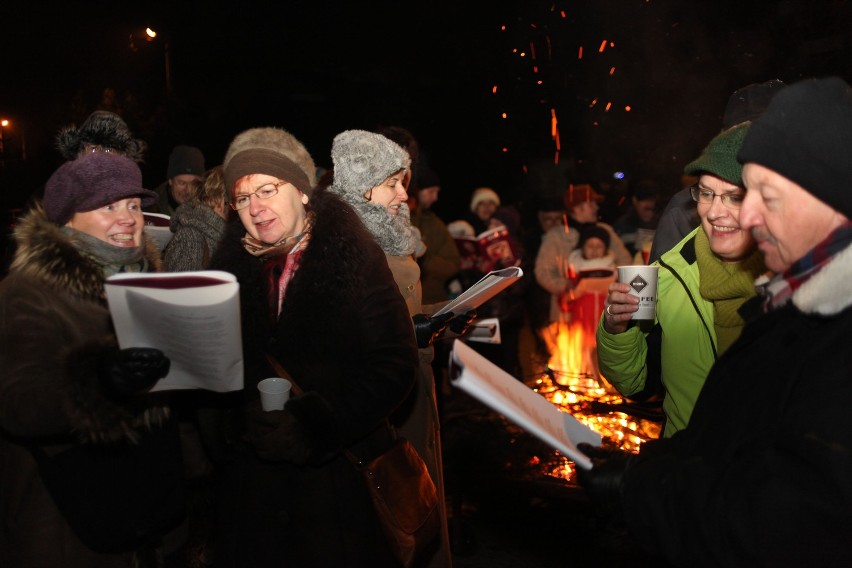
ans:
(4, 123)
(494, 90)
(150, 33)
(618, 175)
(627, 108)
(505, 115)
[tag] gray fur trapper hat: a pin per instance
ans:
(101, 128)
(363, 160)
(271, 151)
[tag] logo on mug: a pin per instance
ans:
(638, 283)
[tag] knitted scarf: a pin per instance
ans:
(780, 289)
(727, 285)
(111, 258)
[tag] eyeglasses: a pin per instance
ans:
(729, 200)
(96, 149)
(266, 191)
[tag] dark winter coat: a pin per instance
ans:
(763, 474)
(54, 328)
(345, 336)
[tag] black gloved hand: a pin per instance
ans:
(461, 325)
(605, 481)
(130, 371)
(429, 329)
(276, 435)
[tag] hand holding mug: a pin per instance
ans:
(620, 306)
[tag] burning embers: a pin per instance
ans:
(572, 381)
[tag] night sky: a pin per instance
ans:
(446, 70)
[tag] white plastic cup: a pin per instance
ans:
(274, 393)
(643, 283)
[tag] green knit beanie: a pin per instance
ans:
(720, 156)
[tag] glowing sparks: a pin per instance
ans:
(602, 47)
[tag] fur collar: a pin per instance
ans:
(827, 292)
(48, 255)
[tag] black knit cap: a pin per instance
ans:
(806, 136)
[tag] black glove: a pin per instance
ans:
(461, 324)
(130, 371)
(276, 435)
(429, 329)
(605, 481)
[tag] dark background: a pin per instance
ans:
(446, 70)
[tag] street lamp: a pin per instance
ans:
(150, 35)
(3, 124)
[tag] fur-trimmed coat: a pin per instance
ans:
(54, 328)
(763, 474)
(345, 336)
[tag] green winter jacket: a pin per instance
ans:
(688, 339)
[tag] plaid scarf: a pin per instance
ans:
(781, 288)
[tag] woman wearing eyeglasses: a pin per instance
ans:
(703, 281)
(317, 294)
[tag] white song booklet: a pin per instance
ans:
(505, 394)
(193, 317)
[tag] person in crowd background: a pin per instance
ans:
(102, 131)
(198, 224)
(702, 283)
(186, 167)
(65, 383)
(762, 475)
(507, 306)
(637, 227)
(552, 268)
(484, 201)
(593, 250)
(316, 293)
(550, 213)
(679, 216)
(442, 260)
(369, 174)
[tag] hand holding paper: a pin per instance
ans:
(487, 382)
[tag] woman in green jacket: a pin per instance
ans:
(703, 281)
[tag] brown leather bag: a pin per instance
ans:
(404, 495)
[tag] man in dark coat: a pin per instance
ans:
(317, 294)
(762, 476)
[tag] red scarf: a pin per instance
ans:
(277, 273)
